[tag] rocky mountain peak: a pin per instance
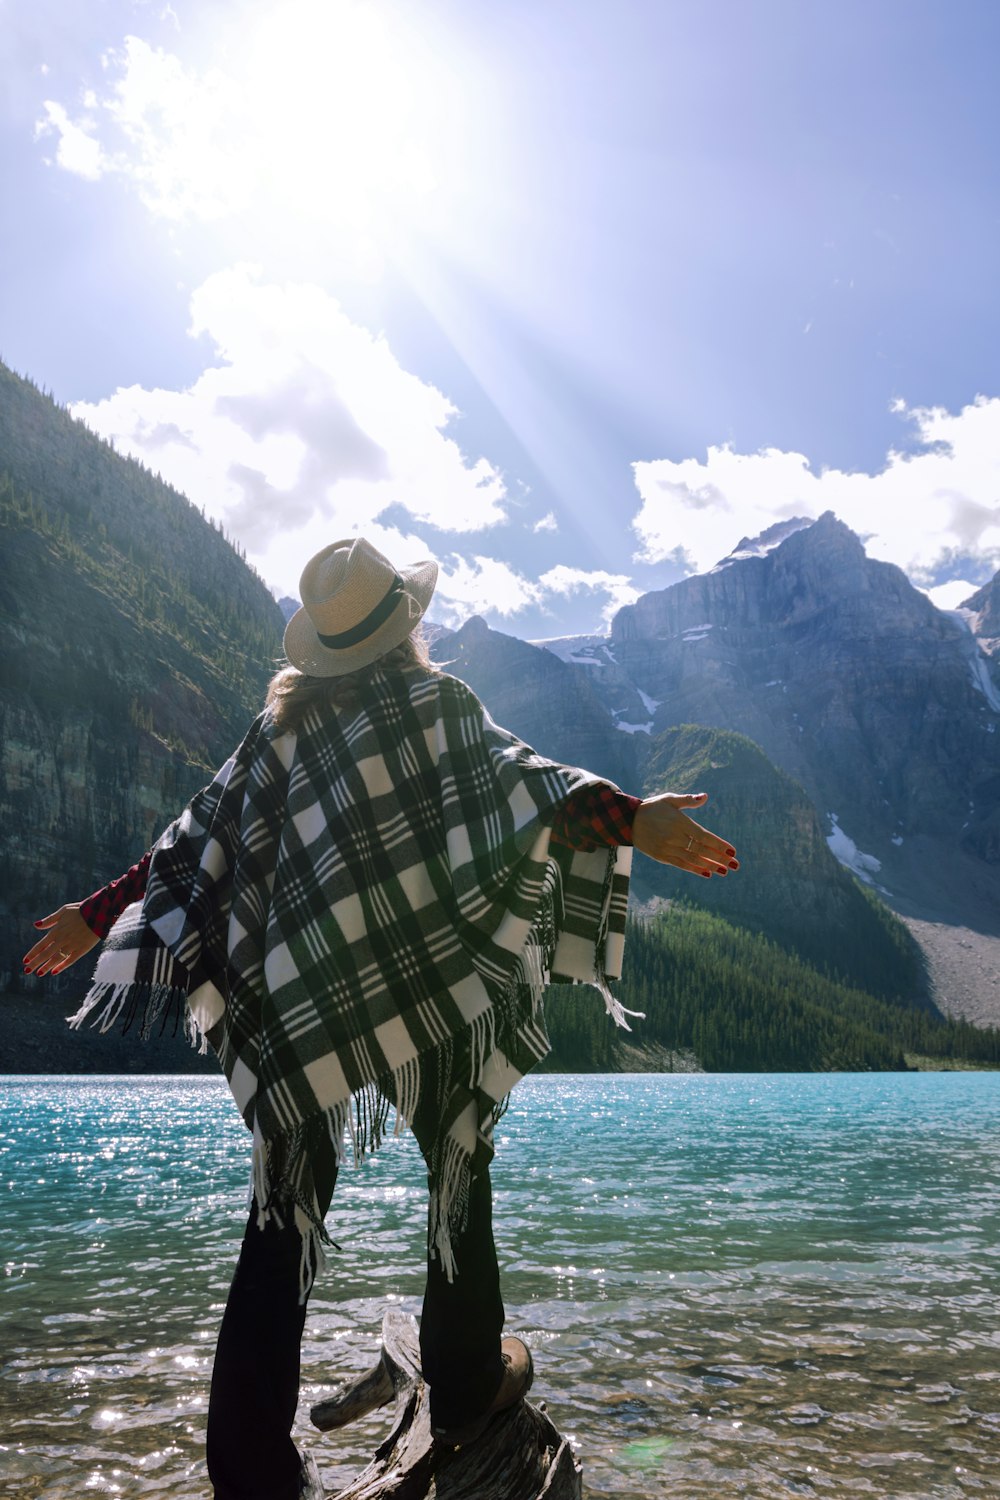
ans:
(788, 573)
(844, 674)
(826, 536)
(474, 631)
(758, 546)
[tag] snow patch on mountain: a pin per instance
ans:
(581, 650)
(844, 849)
(760, 546)
(978, 668)
(982, 680)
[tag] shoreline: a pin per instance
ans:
(37, 1042)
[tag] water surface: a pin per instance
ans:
(734, 1286)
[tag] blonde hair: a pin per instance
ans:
(292, 694)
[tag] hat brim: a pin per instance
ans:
(305, 650)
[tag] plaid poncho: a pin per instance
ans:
(345, 900)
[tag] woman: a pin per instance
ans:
(361, 911)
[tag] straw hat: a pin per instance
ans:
(355, 607)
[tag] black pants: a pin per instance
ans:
(255, 1381)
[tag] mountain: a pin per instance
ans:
(850, 680)
(135, 647)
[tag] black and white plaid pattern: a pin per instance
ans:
(348, 898)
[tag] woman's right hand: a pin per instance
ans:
(66, 939)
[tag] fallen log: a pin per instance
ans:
(520, 1456)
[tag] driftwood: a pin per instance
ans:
(520, 1456)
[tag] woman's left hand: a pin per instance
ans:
(662, 829)
(67, 938)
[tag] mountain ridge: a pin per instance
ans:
(848, 677)
(151, 653)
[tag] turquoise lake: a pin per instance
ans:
(733, 1286)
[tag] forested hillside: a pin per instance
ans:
(135, 645)
(739, 1003)
(789, 887)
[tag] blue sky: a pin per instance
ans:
(571, 297)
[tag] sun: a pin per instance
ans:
(339, 118)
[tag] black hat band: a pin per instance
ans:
(371, 621)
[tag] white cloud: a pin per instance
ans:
(479, 585)
(548, 522)
(173, 133)
(161, 128)
(483, 585)
(564, 580)
(77, 150)
(306, 428)
(315, 109)
(950, 595)
(934, 511)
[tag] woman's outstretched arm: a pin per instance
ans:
(658, 826)
(78, 927)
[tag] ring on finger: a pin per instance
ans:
(690, 843)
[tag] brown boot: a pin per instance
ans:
(518, 1373)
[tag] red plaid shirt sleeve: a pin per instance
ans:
(595, 816)
(100, 910)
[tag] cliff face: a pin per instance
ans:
(851, 681)
(845, 674)
(134, 651)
